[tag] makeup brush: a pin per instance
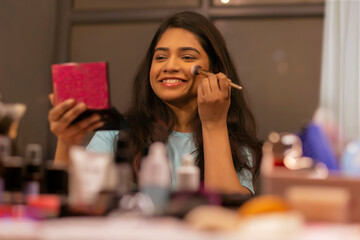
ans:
(196, 70)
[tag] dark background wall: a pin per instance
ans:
(26, 52)
(277, 52)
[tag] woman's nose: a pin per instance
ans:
(172, 65)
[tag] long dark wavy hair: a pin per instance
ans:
(151, 120)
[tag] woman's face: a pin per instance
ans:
(170, 74)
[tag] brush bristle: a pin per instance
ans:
(195, 69)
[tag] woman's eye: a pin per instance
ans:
(160, 57)
(188, 57)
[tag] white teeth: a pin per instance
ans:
(172, 80)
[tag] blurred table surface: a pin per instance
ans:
(134, 228)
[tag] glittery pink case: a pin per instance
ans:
(85, 82)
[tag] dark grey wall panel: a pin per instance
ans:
(122, 45)
(277, 57)
(279, 61)
(26, 52)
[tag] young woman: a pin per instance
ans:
(191, 114)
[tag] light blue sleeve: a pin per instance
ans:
(103, 142)
(245, 175)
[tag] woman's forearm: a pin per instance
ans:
(219, 172)
(61, 153)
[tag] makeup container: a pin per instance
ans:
(56, 179)
(5, 146)
(54, 201)
(33, 169)
(316, 145)
(284, 146)
(285, 150)
(188, 175)
(13, 180)
(123, 179)
(5, 150)
(89, 176)
(124, 171)
(154, 179)
(350, 159)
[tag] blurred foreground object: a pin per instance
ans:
(286, 150)
(90, 174)
(283, 146)
(269, 215)
(212, 218)
(188, 175)
(10, 115)
(320, 203)
(325, 119)
(309, 186)
(263, 204)
(317, 146)
(155, 177)
(350, 160)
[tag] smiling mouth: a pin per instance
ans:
(174, 80)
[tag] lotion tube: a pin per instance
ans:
(88, 176)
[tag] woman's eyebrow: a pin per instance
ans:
(189, 48)
(161, 49)
(180, 48)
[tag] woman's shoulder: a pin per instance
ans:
(103, 141)
(106, 133)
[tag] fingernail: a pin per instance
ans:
(82, 104)
(70, 101)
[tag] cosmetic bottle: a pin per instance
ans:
(154, 178)
(5, 150)
(119, 179)
(188, 175)
(52, 202)
(123, 167)
(56, 180)
(13, 180)
(123, 177)
(5, 146)
(32, 169)
(350, 159)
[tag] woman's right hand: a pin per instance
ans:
(61, 116)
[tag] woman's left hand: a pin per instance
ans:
(214, 100)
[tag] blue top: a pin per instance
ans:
(178, 145)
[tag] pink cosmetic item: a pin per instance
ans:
(88, 83)
(84, 82)
(198, 70)
(43, 206)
